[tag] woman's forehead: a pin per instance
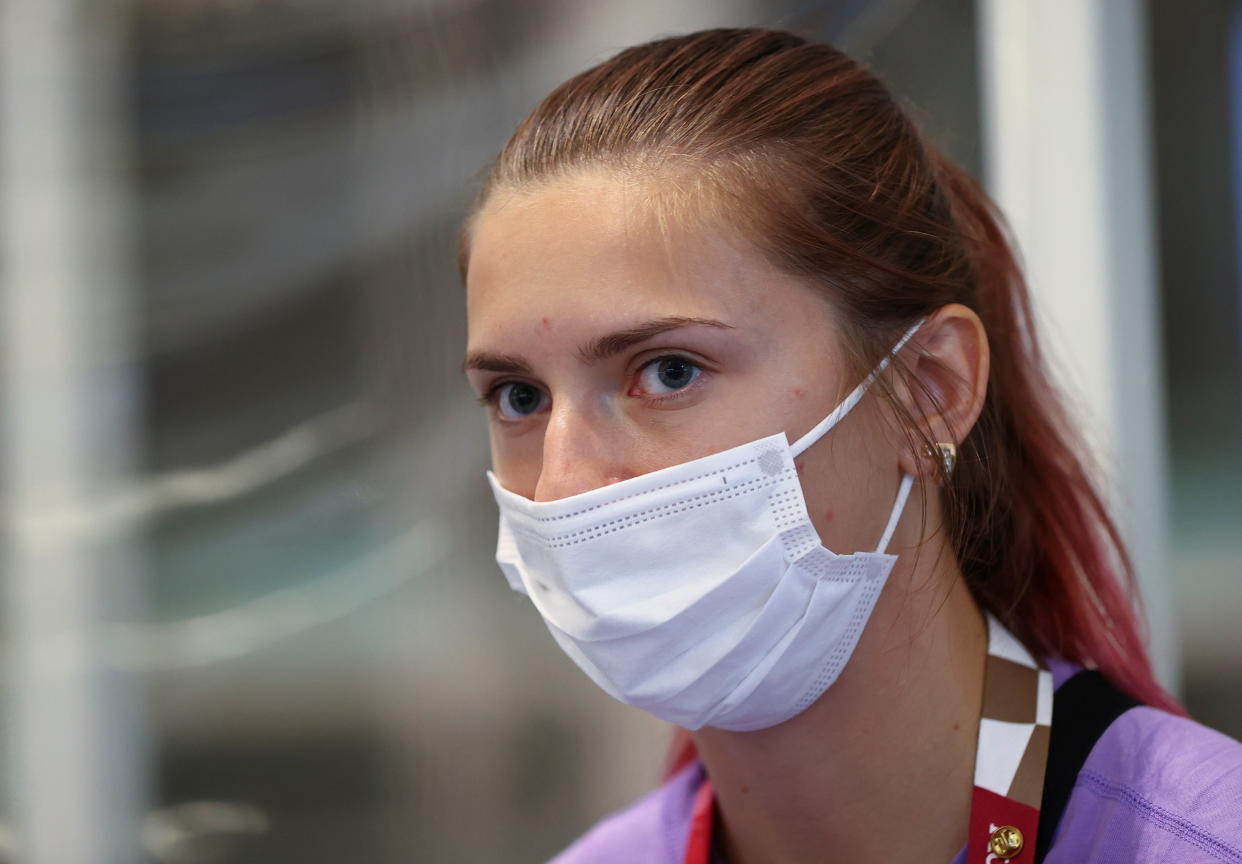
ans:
(584, 231)
(594, 249)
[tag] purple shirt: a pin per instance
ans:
(1156, 788)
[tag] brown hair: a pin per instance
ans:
(829, 177)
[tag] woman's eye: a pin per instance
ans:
(516, 400)
(667, 375)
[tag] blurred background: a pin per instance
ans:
(251, 613)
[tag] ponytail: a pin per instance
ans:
(1034, 539)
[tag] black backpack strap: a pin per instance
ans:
(1082, 709)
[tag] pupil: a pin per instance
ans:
(523, 398)
(674, 372)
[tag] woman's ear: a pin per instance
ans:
(945, 383)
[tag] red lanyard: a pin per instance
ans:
(699, 846)
(1010, 758)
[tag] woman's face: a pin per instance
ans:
(606, 348)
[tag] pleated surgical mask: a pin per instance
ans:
(701, 592)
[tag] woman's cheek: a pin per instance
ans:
(846, 521)
(517, 459)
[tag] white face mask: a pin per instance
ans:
(701, 592)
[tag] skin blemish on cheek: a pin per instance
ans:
(828, 515)
(799, 392)
(800, 466)
(547, 322)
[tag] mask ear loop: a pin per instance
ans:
(821, 428)
(903, 493)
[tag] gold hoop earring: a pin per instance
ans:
(947, 453)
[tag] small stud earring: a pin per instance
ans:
(948, 455)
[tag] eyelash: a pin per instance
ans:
(676, 394)
(492, 396)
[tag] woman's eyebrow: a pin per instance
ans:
(486, 361)
(595, 350)
(614, 343)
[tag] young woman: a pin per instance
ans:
(753, 351)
